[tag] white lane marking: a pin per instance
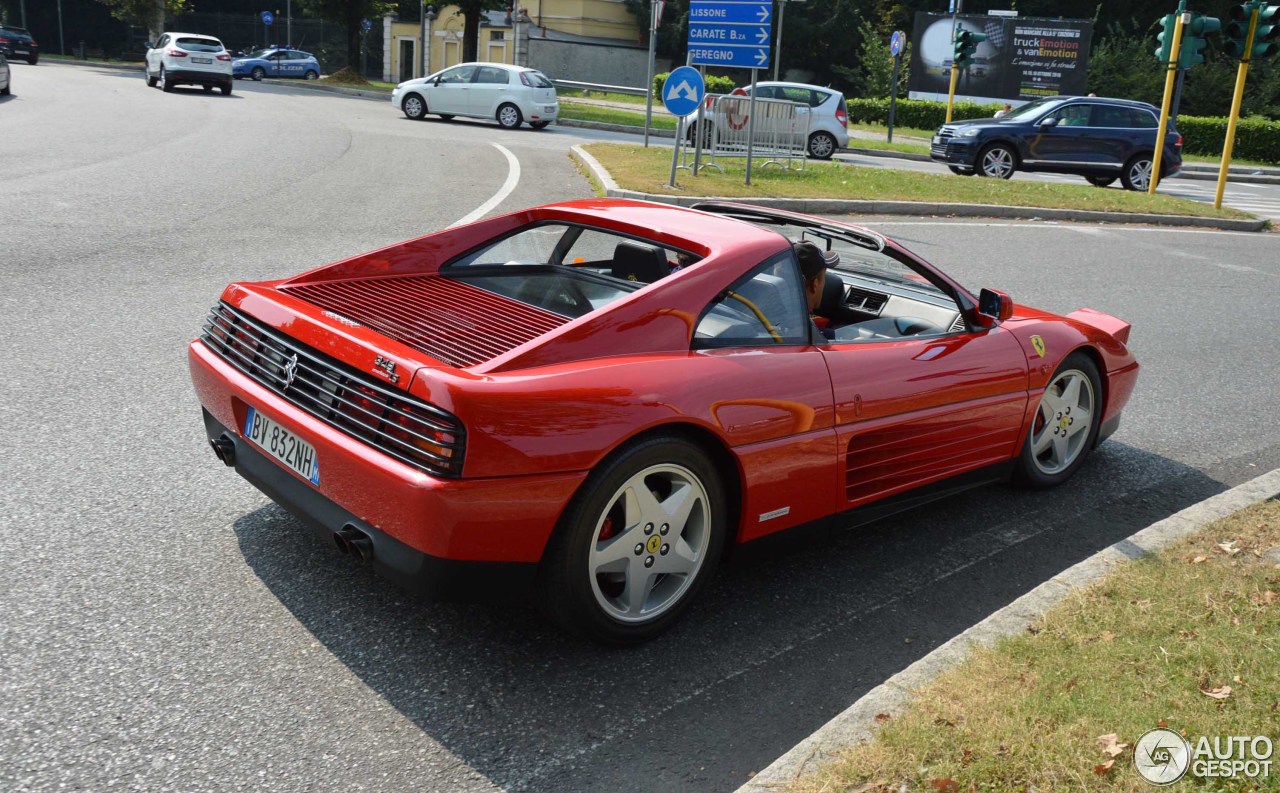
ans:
(1060, 226)
(513, 178)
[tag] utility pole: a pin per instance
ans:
(288, 23)
(655, 12)
(23, 5)
(62, 47)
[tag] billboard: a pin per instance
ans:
(1022, 59)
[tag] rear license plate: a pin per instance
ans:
(293, 452)
(202, 60)
(21, 52)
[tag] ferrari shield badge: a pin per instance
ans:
(1038, 344)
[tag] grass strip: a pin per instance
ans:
(578, 93)
(608, 115)
(1187, 639)
(647, 170)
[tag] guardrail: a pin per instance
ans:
(612, 89)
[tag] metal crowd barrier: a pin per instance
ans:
(780, 133)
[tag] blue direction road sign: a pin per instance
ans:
(730, 12)
(746, 56)
(703, 33)
(683, 91)
(267, 18)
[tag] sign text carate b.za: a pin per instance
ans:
(729, 33)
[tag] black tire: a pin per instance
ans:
(539, 124)
(822, 145)
(258, 73)
(165, 84)
(208, 89)
(1032, 474)
(988, 158)
(312, 74)
(151, 81)
(1132, 177)
(447, 116)
(707, 136)
(414, 106)
(1100, 181)
(509, 116)
(566, 586)
(226, 90)
(33, 60)
(958, 171)
(6, 90)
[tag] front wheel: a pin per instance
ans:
(312, 74)
(414, 107)
(997, 162)
(1100, 181)
(509, 116)
(146, 72)
(1065, 425)
(258, 73)
(637, 544)
(539, 124)
(822, 145)
(226, 90)
(1137, 173)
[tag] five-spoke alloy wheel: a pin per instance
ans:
(637, 543)
(1065, 425)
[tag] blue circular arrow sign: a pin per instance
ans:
(365, 24)
(683, 91)
(267, 18)
(895, 43)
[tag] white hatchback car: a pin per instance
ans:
(828, 116)
(511, 94)
(188, 59)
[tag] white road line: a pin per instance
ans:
(1059, 226)
(513, 178)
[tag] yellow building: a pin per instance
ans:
(598, 21)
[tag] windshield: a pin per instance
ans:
(1030, 110)
(259, 53)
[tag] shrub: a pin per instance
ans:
(918, 113)
(715, 84)
(1256, 138)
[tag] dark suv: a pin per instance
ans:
(17, 43)
(1099, 139)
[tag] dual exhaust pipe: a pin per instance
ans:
(350, 540)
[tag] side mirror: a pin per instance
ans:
(1048, 122)
(994, 304)
(149, 46)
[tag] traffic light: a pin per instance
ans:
(966, 45)
(1164, 39)
(1266, 39)
(1193, 42)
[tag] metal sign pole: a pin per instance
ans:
(751, 124)
(777, 55)
(648, 102)
(699, 126)
(675, 151)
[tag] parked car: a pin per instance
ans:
(511, 94)
(828, 116)
(17, 43)
(188, 59)
(602, 399)
(276, 62)
(5, 78)
(1097, 138)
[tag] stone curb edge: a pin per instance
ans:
(857, 722)
(836, 206)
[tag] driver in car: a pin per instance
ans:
(813, 268)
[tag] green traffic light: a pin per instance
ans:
(966, 44)
(1193, 42)
(1164, 39)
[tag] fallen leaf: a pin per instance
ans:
(1110, 745)
(1107, 636)
(1199, 559)
(1235, 620)
(1264, 598)
(1237, 679)
(1229, 547)
(945, 785)
(1222, 692)
(881, 718)
(1034, 629)
(941, 722)
(1105, 768)
(1002, 751)
(1162, 724)
(966, 757)
(1187, 634)
(1070, 684)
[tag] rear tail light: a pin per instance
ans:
(223, 57)
(1177, 144)
(3, 40)
(524, 80)
(842, 116)
(33, 43)
(417, 435)
(175, 53)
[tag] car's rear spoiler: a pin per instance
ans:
(1116, 328)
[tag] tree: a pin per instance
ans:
(349, 14)
(147, 14)
(872, 78)
(471, 11)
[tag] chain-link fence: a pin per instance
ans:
(327, 41)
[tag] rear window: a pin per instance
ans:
(19, 32)
(200, 45)
(538, 80)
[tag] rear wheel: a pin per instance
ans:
(997, 162)
(258, 73)
(226, 90)
(208, 89)
(33, 60)
(1065, 424)
(1137, 173)
(822, 145)
(539, 124)
(1100, 181)
(146, 72)
(637, 544)
(509, 116)
(414, 107)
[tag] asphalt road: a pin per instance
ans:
(165, 627)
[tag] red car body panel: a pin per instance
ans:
(804, 432)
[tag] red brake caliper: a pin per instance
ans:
(606, 530)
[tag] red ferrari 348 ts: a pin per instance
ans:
(600, 400)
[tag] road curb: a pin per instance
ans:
(624, 128)
(858, 721)
(837, 206)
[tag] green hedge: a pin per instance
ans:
(918, 113)
(715, 85)
(1256, 138)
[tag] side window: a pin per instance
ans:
(298, 56)
(765, 92)
(1074, 116)
(492, 76)
(461, 74)
(764, 308)
(1142, 119)
(1110, 116)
